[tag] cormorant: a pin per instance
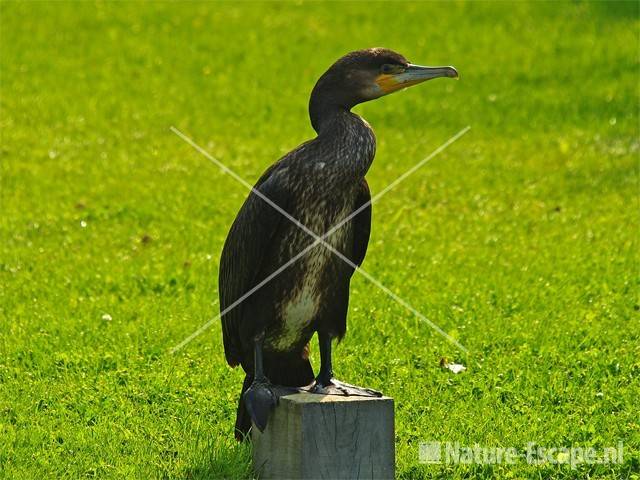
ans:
(319, 183)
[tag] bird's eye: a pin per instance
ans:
(390, 68)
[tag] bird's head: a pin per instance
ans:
(368, 74)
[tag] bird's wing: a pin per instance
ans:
(361, 224)
(243, 254)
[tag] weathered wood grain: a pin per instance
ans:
(327, 437)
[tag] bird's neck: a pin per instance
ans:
(349, 139)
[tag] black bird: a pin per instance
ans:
(319, 183)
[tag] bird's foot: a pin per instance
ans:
(260, 399)
(332, 386)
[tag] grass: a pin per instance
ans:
(521, 240)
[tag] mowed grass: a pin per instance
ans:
(520, 240)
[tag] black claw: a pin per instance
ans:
(260, 400)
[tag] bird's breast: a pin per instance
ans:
(311, 278)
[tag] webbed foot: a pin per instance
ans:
(332, 386)
(260, 399)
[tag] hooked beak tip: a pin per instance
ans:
(413, 75)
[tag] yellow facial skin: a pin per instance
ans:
(389, 82)
(404, 77)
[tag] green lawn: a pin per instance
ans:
(521, 239)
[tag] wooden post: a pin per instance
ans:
(326, 437)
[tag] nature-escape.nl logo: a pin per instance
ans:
(534, 454)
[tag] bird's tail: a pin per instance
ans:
(243, 420)
(288, 370)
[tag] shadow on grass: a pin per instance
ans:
(222, 459)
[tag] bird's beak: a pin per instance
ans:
(412, 75)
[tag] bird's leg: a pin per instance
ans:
(258, 363)
(325, 382)
(259, 397)
(326, 370)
